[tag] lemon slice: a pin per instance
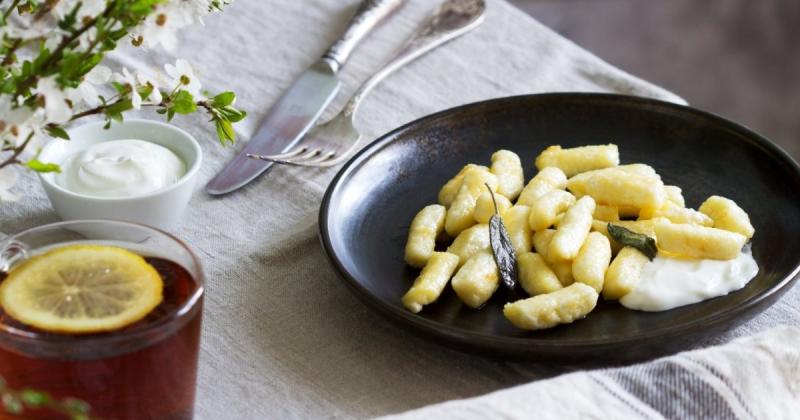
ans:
(82, 289)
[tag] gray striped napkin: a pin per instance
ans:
(756, 377)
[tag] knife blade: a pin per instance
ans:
(288, 120)
(299, 108)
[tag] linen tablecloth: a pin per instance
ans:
(751, 378)
(282, 336)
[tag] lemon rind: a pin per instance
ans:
(14, 302)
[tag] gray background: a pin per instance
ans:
(737, 58)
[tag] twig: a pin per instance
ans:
(12, 160)
(45, 9)
(206, 105)
(57, 53)
(9, 58)
(10, 10)
(101, 109)
(88, 112)
(97, 40)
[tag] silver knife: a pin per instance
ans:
(301, 105)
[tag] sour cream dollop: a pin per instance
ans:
(667, 283)
(120, 168)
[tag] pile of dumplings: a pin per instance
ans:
(557, 223)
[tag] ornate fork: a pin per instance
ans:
(332, 143)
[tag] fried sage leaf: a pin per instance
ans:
(502, 249)
(645, 244)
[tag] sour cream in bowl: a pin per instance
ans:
(137, 170)
(120, 168)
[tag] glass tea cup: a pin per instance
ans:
(147, 370)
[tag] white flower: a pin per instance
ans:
(196, 9)
(160, 27)
(98, 75)
(52, 41)
(26, 27)
(145, 79)
(153, 34)
(19, 123)
(55, 100)
(88, 8)
(169, 17)
(183, 75)
(34, 127)
(16, 123)
(86, 91)
(87, 38)
(129, 80)
(8, 177)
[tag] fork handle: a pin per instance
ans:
(450, 20)
(368, 15)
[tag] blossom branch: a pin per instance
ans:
(9, 58)
(10, 10)
(17, 151)
(62, 81)
(57, 54)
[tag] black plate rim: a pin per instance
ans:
(533, 343)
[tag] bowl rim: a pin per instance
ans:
(190, 173)
(528, 343)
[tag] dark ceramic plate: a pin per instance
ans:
(368, 207)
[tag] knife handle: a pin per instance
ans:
(369, 14)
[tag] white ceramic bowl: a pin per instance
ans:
(162, 208)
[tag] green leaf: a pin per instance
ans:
(143, 6)
(27, 69)
(70, 19)
(89, 63)
(224, 99)
(645, 244)
(183, 103)
(225, 132)
(232, 114)
(184, 107)
(119, 87)
(70, 65)
(56, 131)
(117, 108)
(76, 406)
(34, 398)
(145, 91)
(41, 167)
(118, 34)
(108, 45)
